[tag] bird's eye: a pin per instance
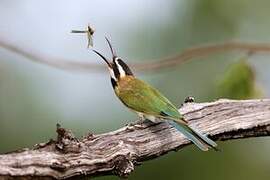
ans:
(116, 60)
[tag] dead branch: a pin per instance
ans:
(153, 65)
(118, 152)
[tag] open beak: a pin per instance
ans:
(111, 48)
(112, 51)
(107, 62)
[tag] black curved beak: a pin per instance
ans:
(111, 48)
(107, 62)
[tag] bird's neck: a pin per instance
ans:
(122, 81)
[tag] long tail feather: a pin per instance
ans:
(207, 140)
(200, 140)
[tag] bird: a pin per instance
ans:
(147, 102)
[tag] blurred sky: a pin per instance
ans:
(34, 97)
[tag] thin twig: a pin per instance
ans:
(152, 65)
(59, 63)
(170, 61)
(204, 50)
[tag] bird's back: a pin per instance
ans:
(141, 97)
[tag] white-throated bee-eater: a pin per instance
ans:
(148, 102)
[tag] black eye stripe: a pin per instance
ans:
(125, 67)
(116, 71)
(114, 83)
(118, 65)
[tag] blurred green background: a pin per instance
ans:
(34, 97)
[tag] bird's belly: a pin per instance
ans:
(151, 118)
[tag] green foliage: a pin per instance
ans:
(238, 82)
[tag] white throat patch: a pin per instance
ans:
(112, 74)
(120, 68)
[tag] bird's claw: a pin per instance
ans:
(137, 124)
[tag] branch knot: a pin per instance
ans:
(123, 166)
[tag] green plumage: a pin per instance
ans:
(148, 102)
(141, 97)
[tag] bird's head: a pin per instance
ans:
(117, 67)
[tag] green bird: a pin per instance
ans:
(148, 102)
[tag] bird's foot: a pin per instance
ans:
(136, 124)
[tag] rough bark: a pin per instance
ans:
(118, 152)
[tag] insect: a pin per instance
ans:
(89, 31)
(148, 102)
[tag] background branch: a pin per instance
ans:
(170, 61)
(118, 152)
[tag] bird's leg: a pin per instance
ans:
(139, 123)
(150, 120)
(141, 118)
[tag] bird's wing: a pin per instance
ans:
(141, 97)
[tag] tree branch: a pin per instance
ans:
(153, 65)
(118, 152)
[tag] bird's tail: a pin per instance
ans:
(200, 140)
